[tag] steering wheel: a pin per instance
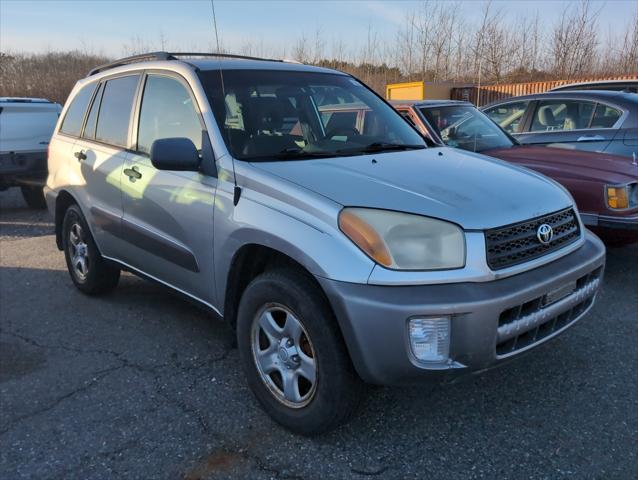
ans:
(342, 131)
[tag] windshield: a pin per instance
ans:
(465, 127)
(269, 115)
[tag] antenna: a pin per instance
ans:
(237, 189)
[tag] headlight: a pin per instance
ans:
(622, 196)
(403, 241)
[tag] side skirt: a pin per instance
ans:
(146, 276)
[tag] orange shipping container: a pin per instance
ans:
(492, 93)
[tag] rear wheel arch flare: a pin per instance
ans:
(62, 203)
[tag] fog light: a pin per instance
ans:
(430, 338)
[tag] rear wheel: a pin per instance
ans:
(293, 354)
(90, 273)
(34, 196)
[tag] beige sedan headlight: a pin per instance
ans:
(620, 197)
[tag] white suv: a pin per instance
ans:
(26, 125)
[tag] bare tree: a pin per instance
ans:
(574, 41)
(478, 47)
(441, 41)
(318, 46)
(301, 50)
(406, 39)
(499, 47)
(628, 58)
(163, 41)
(136, 45)
(526, 48)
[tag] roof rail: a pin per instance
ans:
(223, 55)
(24, 100)
(135, 58)
(170, 56)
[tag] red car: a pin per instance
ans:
(604, 186)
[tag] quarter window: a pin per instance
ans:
(72, 123)
(91, 122)
(508, 116)
(115, 110)
(560, 115)
(167, 111)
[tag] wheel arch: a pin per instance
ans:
(248, 262)
(63, 201)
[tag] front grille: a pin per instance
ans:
(518, 243)
(531, 322)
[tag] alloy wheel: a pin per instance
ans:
(78, 251)
(284, 356)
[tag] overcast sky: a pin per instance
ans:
(107, 26)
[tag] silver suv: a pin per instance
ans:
(343, 249)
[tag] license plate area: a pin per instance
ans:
(558, 293)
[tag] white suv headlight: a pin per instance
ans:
(403, 241)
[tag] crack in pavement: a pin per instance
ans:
(35, 343)
(99, 375)
(181, 404)
(123, 363)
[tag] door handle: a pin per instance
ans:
(132, 173)
(591, 138)
(80, 155)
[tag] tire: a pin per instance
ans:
(300, 311)
(90, 273)
(34, 196)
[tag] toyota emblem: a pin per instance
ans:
(545, 233)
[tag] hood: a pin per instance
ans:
(561, 162)
(469, 189)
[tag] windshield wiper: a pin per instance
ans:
(382, 147)
(298, 153)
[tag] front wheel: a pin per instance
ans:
(293, 354)
(90, 273)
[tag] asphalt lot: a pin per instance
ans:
(141, 384)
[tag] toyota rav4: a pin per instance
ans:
(341, 255)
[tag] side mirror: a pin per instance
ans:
(178, 154)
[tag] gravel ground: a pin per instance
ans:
(141, 384)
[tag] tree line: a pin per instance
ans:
(435, 42)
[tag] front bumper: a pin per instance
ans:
(374, 319)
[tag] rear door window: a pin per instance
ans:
(509, 116)
(115, 110)
(562, 115)
(605, 116)
(72, 123)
